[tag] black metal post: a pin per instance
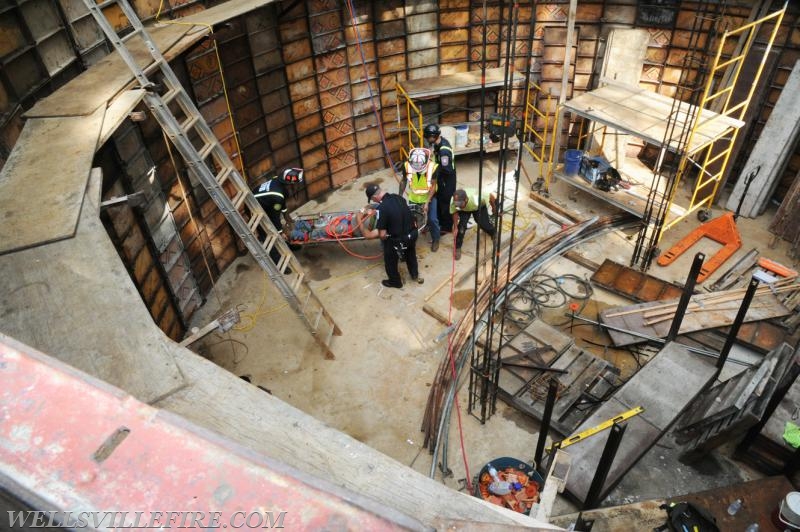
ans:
(581, 525)
(552, 390)
(792, 465)
(688, 290)
(603, 468)
(737, 323)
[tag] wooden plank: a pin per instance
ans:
(110, 337)
(769, 154)
(82, 95)
(623, 61)
(117, 111)
(41, 194)
(459, 82)
(761, 495)
(678, 376)
(645, 114)
(764, 306)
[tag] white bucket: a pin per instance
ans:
(789, 511)
(449, 132)
(462, 135)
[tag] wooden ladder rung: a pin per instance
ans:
(170, 95)
(129, 36)
(254, 221)
(223, 176)
(152, 67)
(239, 199)
(306, 300)
(269, 241)
(189, 123)
(205, 150)
(319, 317)
(297, 282)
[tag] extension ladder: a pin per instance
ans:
(213, 168)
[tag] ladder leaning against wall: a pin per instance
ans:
(211, 165)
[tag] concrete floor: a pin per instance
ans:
(376, 388)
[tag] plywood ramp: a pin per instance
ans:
(97, 86)
(664, 388)
(43, 182)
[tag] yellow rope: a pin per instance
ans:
(249, 319)
(222, 78)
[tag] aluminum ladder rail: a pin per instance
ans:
(223, 183)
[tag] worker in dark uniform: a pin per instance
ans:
(466, 204)
(271, 195)
(398, 235)
(446, 174)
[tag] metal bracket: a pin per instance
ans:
(137, 199)
(222, 324)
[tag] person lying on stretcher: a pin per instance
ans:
(349, 225)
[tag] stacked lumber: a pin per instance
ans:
(705, 311)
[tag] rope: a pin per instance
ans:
(221, 77)
(453, 371)
(336, 235)
(249, 319)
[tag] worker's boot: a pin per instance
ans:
(458, 253)
(434, 245)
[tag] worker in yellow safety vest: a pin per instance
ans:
(420, 178)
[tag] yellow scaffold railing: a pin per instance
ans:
(716, 153)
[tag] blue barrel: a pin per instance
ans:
(572, 161)
(502, 463)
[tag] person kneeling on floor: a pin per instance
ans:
(465, 204)
(395, 225)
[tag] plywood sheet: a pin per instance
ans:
(460, 82)
(95, 87)
(117, 111)
(645, 114)
(769, 156)
(75, 300)
(664, 388)
(40, 193)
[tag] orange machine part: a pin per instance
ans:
(776, 268)
(722, 230)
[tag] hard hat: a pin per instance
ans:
(292, 175)
(418, 159)
(431, 131)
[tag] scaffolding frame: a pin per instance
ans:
(720, 157)
(539, 150)
(700, 137)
